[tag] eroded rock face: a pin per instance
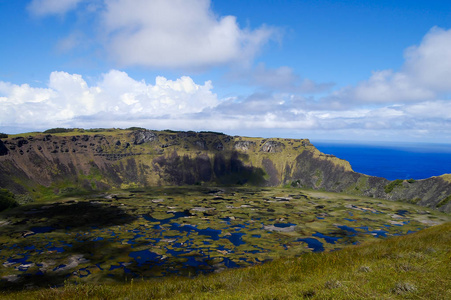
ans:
(243, 145)
(272, 147)
(3, 149)
(201, 144)
(144, 136)
(218, 146)
(21, 141)
(186, 134)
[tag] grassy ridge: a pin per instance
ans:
(416, 266)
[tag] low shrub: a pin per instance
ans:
(59, 130)
(24, 199)
(135, 128)
(212, 132)
(389, 187)
(444, 201)
(7, 200)
(99, 130)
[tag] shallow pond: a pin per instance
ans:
(187, 231)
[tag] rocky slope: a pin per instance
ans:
(44, 165)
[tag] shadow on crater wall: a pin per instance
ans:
(226, 169)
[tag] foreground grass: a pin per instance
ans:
(416, 266)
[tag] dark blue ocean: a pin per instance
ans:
(393, 161)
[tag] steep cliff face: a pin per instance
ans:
(65, 163)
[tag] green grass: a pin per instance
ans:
(444, 201)
(73, 131)
(389, 187)
(446, 177)
(415, 266)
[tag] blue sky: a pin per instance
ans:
(324, 70)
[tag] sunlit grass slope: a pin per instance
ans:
(416, 266)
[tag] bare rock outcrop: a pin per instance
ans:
(144, 136)
(218, 145)
(272, 147)
(201, 144)
(244, 145)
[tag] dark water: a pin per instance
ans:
(393, 161)
(316, 245)
(43, 229)
(328, 239)
(283, 225)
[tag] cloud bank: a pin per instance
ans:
(116, 96)
(117, 100)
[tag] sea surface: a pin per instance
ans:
(393, 161)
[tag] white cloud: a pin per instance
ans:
(116, 95)
(52, 7)
(387, 86)
(438, 109)
(424, 75)
(117, 100)
(430, 63)
(184, 34)
(15, 94)
(177, 34)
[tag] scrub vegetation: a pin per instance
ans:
(7, 200)
(389, 187)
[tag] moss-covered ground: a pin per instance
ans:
(159, 233)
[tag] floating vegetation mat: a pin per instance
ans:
(187, 231)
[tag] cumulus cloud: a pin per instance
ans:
(52, 7)
(430, 63)
(117, 100)
(68, 97)
(282, 79)
(424, 75)
(177, 33)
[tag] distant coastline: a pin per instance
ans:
(392, 160)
